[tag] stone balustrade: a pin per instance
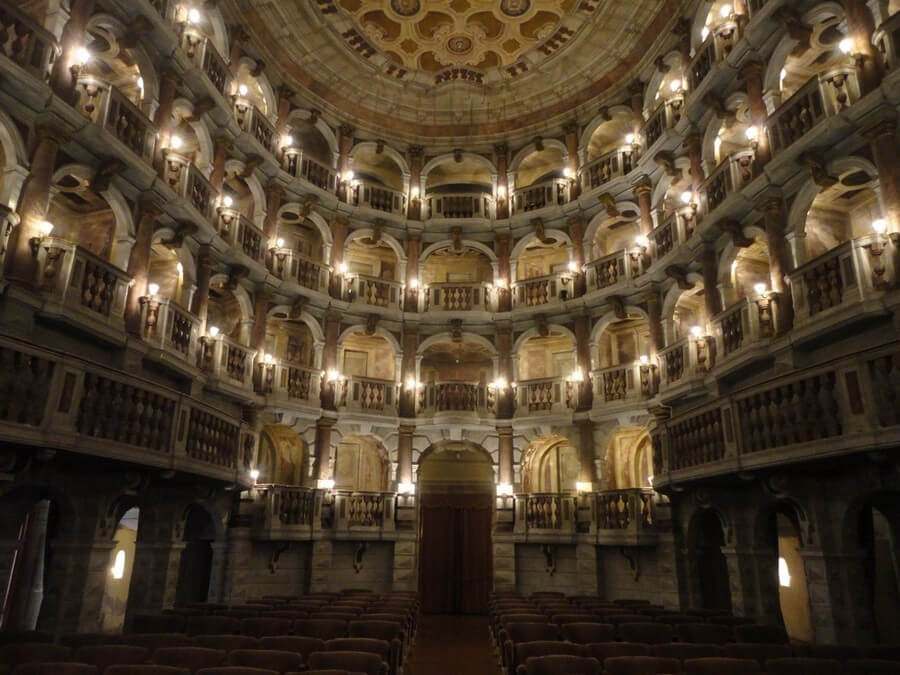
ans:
(376, 292)
(686, 362)
(824, 95)
(189, 182)
(743, 325)
(728, 178)
(170, 328)
(546, 396)
(108, 108)
(8, 220)
(27, 44)
(300, 165)
(458, 205)
(451, 297)
(252, 121)
(82, 286)
(537, 291)
(289, 382)
(229, 363)
(554, 192)
(236, 229)
(665, 117)
(619, 384)
(203, 53)
(457, 397)
(287, 513)
(614, 164)
(289, 265)
(366, 394)
(610, 271)
(369, 513)
(714, 49)
(377, 197)
(887, 40)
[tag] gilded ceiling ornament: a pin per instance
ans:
(406, 7)
(515, 7)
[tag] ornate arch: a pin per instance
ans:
(323, 128)
(245, 302)
(531, 148)
(398, 158)
(598, 121)
(395, 245)
(467, 243)
(360, 329)
(449, 157)
(534, 332)
(474, 337)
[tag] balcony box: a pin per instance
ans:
(287, 513)
(685, 363)
(618, 384)
(229, 364)
(201, 51)
(715, 49)
(254, 123)
(545, 517)
(289, 382)
(626, 516)
(190, 183)
(887, 40)
(367, 394)
(456, 397)
(553, 192)
(459, 205)
(366, 515)
(368, 195)
(675, 230)
(824, 95)
(108, 108)
(728, 178)
(287, 264)
(538, 291)
(82, 287)
(299, 165)
(742, 326)
(376, 292)
(242, 235)
(27, 44)
(449, 297)
(611, 270)
(666, 116)
(615, 164)
(547, 396)
(170, 328)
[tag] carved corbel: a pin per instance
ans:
(617, 304)
(201, 107)
(538, 143)
(543, 327)
(679, 274)
(458, 155)
(314, 115)
(177, 240)
(235, 274)
(736, 230)
(605, 114)
(135, 30)
(377, 230)
(371, 324)
(539, 230)
(789, 18)
(379, 146)
(666, 160)
(456, 329)
(456, 234)
(298, 308)
(252, 163)
(107, 171)
(661, 64)
(815, 164)
(307, 203)
(609, 203)
(717, 105)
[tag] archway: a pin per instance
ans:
(456, 484)
(878, 538)
(709, 568)
(551, 465)
(115, 597)
(195, 570)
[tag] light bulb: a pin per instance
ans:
(704, 33)
(760, 289)
(846, 45)
(348, 175)
(573, 266)
(687, 197)
(325, 484)
(583, 487)
(725, 12)
(254, 475)
(213, 331)
(500, 283)
(675, 85)
(333, 375)
(629, 138)
(879, 226)
(287, 141)
(414, 193)
(642, 241)
(176, 142)
(153, 289)
(242, 89)
(752, 133)
(81, 56)
(499, 383)
(413, 283)
(193, 15)
(644, 359)
(411, 383)
(179, 267)
(342, 268)
(45, 227)
(567, 172)
(279, 243)
(504, 490)
(268, 359)
(406, 488)
(696, 331)
(227, 201)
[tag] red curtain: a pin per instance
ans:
(456, 562)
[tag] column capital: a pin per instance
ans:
(326, 422)
(752, 70)
(643, 185)
(346, 130)
(406, 430)
(570, 127)
(47, 131)
(505, 431)
(693, 142)
(772, 206)
(149, 206)
(223, 141)
(501, 150)
(285, 92)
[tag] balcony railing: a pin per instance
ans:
(824, 95)
(618, 384)
(605, 168)
(438, 397)
(543, 512)
(626, 510)
(26, 43)
(240, 233)
(546, 395)
(609, 271)
(377, 197)
(52, 397)
(729, 177)
(189, 182)
(685, 361)
(376, 292)
(227, 361)
(302, 166)
(364, 512)
(367, 394)
(743, 325)
(288, 512)
(8, 220)
(81, 283)
(553, 192)
(253, 122)
(665, 117)
(843, 277)
(715, 48)
(542, 290)
(459, 205)
(201, 51)
(107, 107)
(674, 231)
(288, 381)
(887, 40)
(170, 328)
(475, 297)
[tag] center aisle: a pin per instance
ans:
(452, 645)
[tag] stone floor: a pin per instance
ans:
(452, 645)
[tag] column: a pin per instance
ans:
(73, 598)
(883, 139)
(504, 399)
(416, 160)
(693, 143)
(238, 37)
(753, 80)
(330, 359)
(413, 283)
(576, 231)
(260, 314)
(654, 315)
(505, 455)
(502, 247)
(571, 131)
(587, 473)
(501, 151)
(637, 105)
(220, 154)
(711, 295)
(20, 264)
(285, 95)
(345, 145)
(404, 453)
(323, 448)
(779, 263)
(583, 359)
(139, 265)
(408, 375)
(643, 192)
(869, 62)
(339, 235)
(201, 297)
(27, 589)
(274, 197)
(168, 83)
(62, 77)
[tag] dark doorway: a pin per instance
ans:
(878, 543)
(710, 565)
(195, 569)
(456, 558)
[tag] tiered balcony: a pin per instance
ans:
(685, 363)
(448, 297)
(253, 122)
(665, 117)
(242, 235)
(229, 365)
(8, 220)
(553, 192)
(714, 49)
(363, 515)
(456, 397)
(674, 231)
(727, 179)
(823, 96)
(615, 164)
(743, 326)
(27, 44)
(546, 396)
(285, 382)
(51, 399)
(287, 513)
(82, 288)
(459, 205)
(190, 183)
(539, 291)
(290, 265)
(377, 197)
(110, 109)
(621, 384)
(203, 53)
(299, 165)
(366, 394)
(612, 270)
(887, 40)
(376, 292)
(171, 329)
(841, 283)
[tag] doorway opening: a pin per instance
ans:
(879, 529)
(195, 570)
(712, 589)
(456, 485)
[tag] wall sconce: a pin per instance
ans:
(649, 376)
(193, 15)
(152, 302)
(876, 253)
(45, 228)
(266, 373)
(287, 141)
(504, 490)
(242, 90)
(501, 193)
(176, 142)
(583, 487)
(348, 176)
(206, 350)
(333, 375)
(212, 332)
(280, 254)
(80, 58)
(414, 283)
(152, 290)
(406, 488)
(752, 134)
(227, 202)
(254, 475)
(499, 384)
(576, 375)
(696, 332)
(764, 303)
(687, 197)
(414, 193)
(325, 484)
(500, 283)
(412, 384)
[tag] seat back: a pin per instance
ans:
(640, 665)
(265, 626)
(585, 633)
(273, 659)
(293, 643)
(576, 617)
(154, 641)
(531, 632)
(706, 633)
(355, 662)
(649, 632)
(560, 664)
(719, 665)
(158, 623)
(687, 650)
(192, 658)
(76, 640)
(605, 650)
(33, 652)
(237, 670)
(110, 655)
(226, 642)
(527, 650)
(803, 666)
(324, 629)
(760, 634)
(378, 630)
(759, 652)
(57, 668)
(146, 670)
(872, 667)
(212, 625)
(371, 645)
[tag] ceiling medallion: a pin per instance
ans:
(515, 7)
(406, 7)
(459, 44)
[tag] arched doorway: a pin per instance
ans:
(878, 536)
(195, 570)
(115, 597)
(456, 484)
(709, 568)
